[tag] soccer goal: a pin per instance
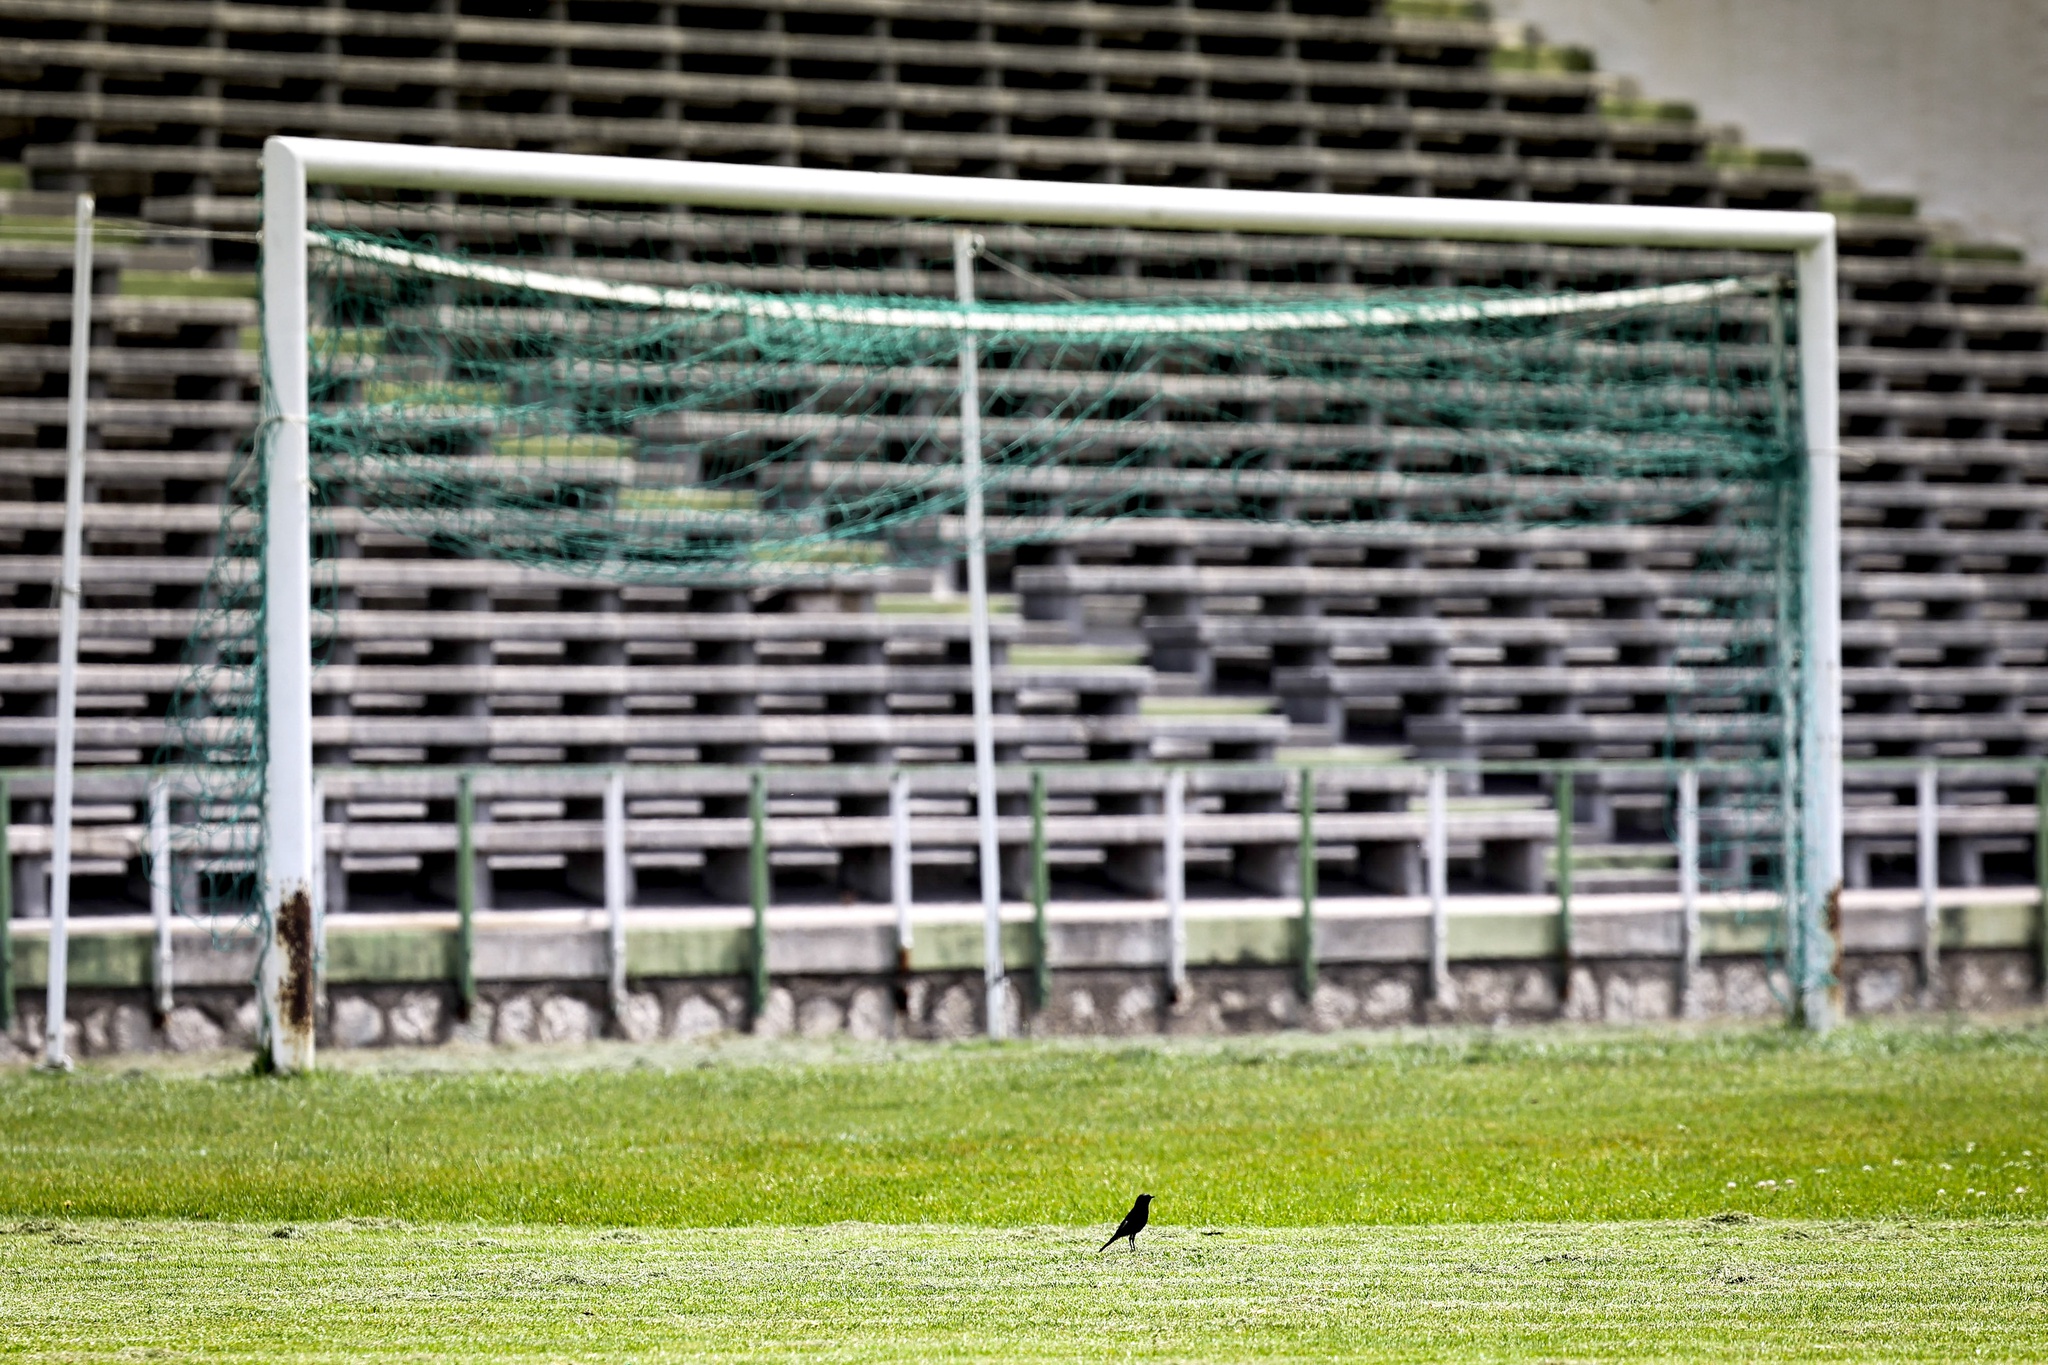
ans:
(664, 372)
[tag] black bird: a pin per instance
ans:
(1133, 1224)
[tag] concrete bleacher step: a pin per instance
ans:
(1614, 869)
(1943, 342)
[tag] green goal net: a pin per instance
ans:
(669, 397)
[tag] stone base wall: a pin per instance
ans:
(1102, 1003)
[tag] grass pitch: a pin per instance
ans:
(1762, 1289)
(1453, 1128)
(1455, 1195)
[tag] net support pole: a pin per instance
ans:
(979, 649)
(1927, 863)
(899, 866)
(160, 898)
(615, 876)
(284, 985)
(1819, 886)
(1688, 883)
(1176, 885)
(54, 1054)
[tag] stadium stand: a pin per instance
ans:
(1128, 643)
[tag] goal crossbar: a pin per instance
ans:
(291, 165)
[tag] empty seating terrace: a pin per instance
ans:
(1560, 652)
(157, 93)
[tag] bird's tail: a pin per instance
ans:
(1107, 1245)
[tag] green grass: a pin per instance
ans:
(1544, 58)
(1756, 158)
(1205, 706)
(56, 228)
(1977, 251)
(924, 604)
(188, 284)
(1856, 203)
(1442, 11)
(1651, 1195)
(1656, 1291)
(1076, 656)
(1637, 110)
(1448, 1128)
(689, 499)
(563, 446)
(437, 393)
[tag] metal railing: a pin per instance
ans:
(1684, 787)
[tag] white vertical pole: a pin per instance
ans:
(284, 965)
(1688, 879)
(1820, 675)
(1436, 866)
(615, 870)
(54, 1054)
(1176, 883)
(1929, 868)
(979, 649)
(899, 863)
(160, 895)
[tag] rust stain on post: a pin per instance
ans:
(295, 935)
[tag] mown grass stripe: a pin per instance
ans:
(1686, 1290)
(1409, 1129)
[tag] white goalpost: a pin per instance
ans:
(293, 166)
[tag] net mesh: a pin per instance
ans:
(697, 398)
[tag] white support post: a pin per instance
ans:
(1436, 870)
(899, 863)
(979, 649)
(1688, 882)
(615, 878)
(1176, 884)
(160, 871)
(1819, 885)
(68, 589)
(284, 986)
(1928, 865)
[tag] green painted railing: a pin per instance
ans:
(1563, 797)
(1034, 943)
(1041, 892)
(1305, 931)
(465, 897)
(6, 907)
(757, 895)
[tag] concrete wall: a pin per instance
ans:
(1219, 1001)
(1945, 98)
(543, 976)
